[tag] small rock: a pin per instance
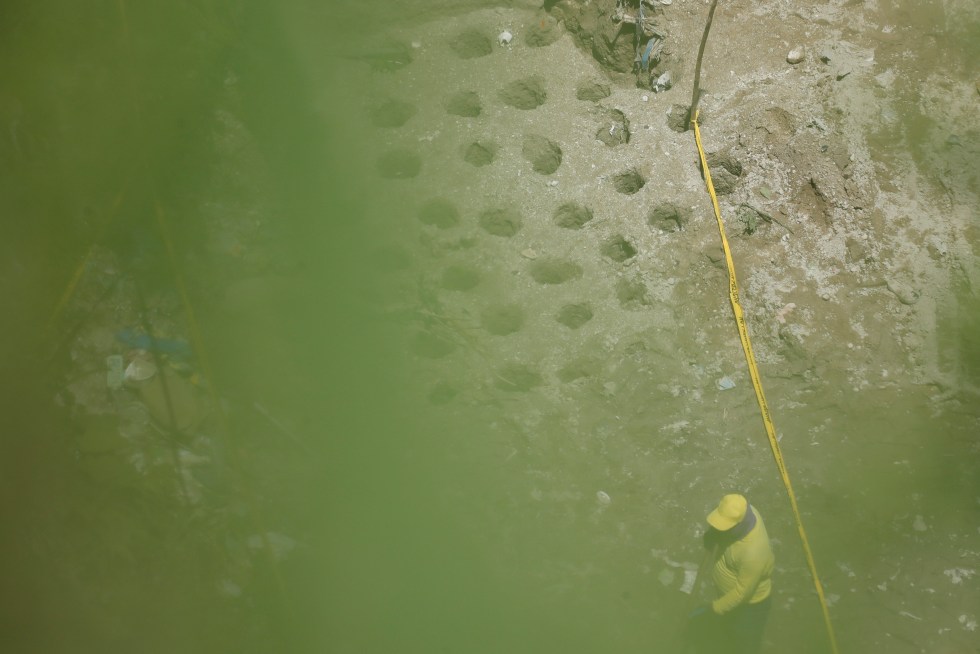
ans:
(504, 38)
(725, 383)
(529, 253)
(603, 498)
(795, 55)
(765, 192)
(645, 98)
(825, 56)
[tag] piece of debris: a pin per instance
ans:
(603, 498)
(795, 55)
(172, 347)
(663, 83)
(725, 383)
(689, 577)
(751, 217)
(616, 131)
(141, 368)
(919, 524)
(504, 38)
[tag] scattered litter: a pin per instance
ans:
(832, 598)
(603, 498)
(919, 524)
(909, 615)
(689, 577)
(968, 623)
(169, 346)
(957, 575)
(114, 373)
(416, 44)
(140, 368)
(553, 182)
(663, 83)
(505, 38)
(725, 383)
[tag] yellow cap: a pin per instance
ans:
(730, 511)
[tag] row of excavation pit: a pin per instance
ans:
(544, 154)
(506, 222)
(526, 94)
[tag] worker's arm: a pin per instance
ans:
(750, 571)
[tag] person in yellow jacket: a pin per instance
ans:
(742, 572)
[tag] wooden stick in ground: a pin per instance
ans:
(697, 66)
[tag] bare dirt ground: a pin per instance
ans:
(544, 257)
(554, 269)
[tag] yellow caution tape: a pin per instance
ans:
(743, 333)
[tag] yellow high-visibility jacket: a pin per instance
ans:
(743, 570)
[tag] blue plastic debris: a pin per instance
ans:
(174, 348)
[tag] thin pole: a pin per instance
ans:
(697, 66)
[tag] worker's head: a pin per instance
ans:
(729, 512)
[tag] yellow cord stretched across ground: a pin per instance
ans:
(743, 333)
